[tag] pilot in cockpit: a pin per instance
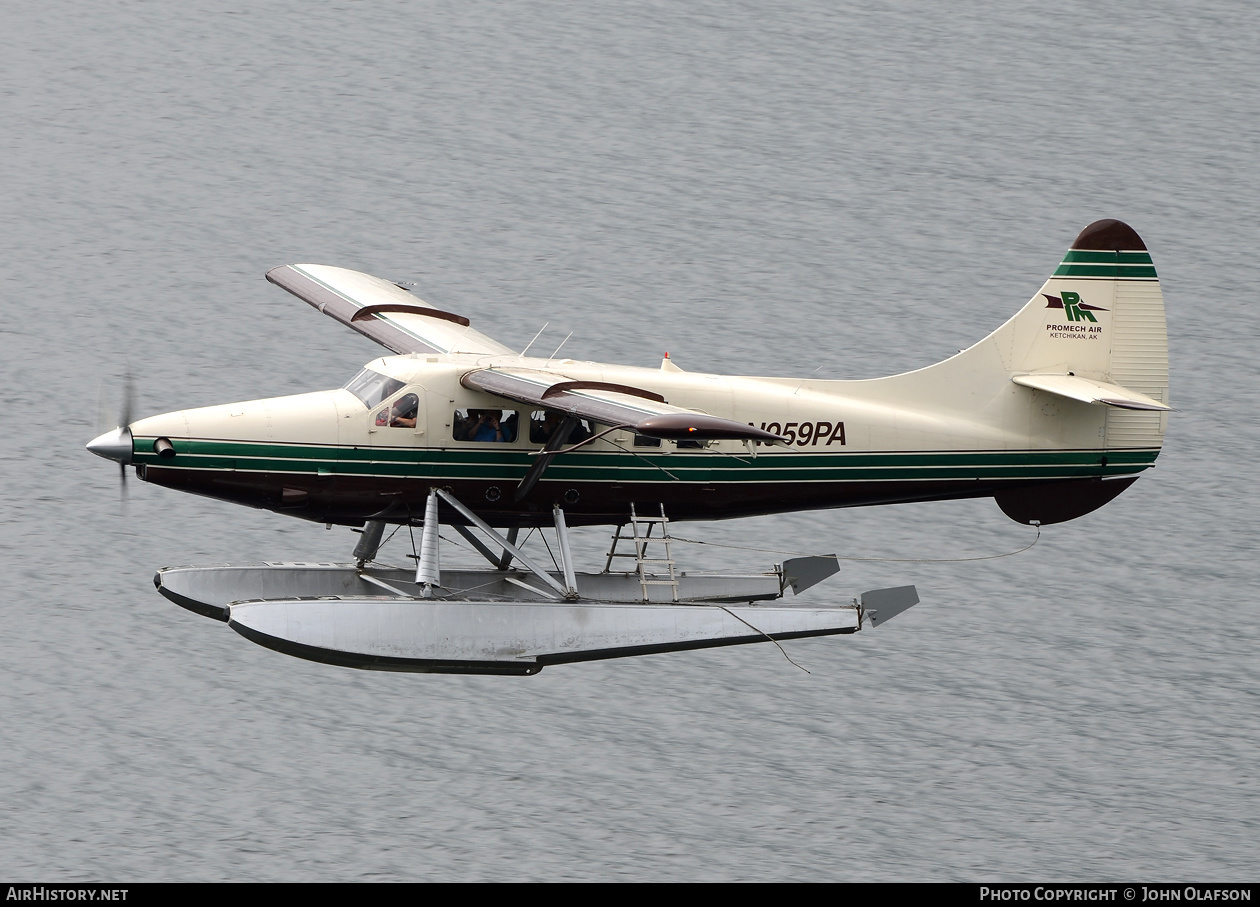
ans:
(403, 411)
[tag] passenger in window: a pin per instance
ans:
(541, 431)
(511, 425)
(484, 425)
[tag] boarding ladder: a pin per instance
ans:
(641, 534)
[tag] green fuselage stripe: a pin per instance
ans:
(614, 466)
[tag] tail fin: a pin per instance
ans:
(1100, 319)
(1093, 334)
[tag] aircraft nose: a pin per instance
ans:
(113, 445)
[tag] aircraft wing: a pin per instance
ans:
(383, 311)
(644, 411)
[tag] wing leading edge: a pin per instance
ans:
(382, 311)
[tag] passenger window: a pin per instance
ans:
(645, 441)
(484, 425)
(544, 422)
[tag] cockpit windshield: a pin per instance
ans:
(372, 387)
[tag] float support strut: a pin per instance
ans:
(428, 570)
(499, 540)
(506, 560)
(566, 556)
(481, 547)
(369, 541)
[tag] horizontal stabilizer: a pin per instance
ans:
(882, 605)
(484, 637)
(1085, 390)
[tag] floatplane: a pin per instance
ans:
(1052, 415)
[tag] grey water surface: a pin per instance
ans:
(838, 189)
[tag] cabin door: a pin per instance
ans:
(382, 447)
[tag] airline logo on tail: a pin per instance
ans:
(1073, 307)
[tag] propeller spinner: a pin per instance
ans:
(117, 444)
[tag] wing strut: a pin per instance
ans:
(557, 440)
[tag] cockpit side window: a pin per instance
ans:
(372, 387)
(401, 414)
